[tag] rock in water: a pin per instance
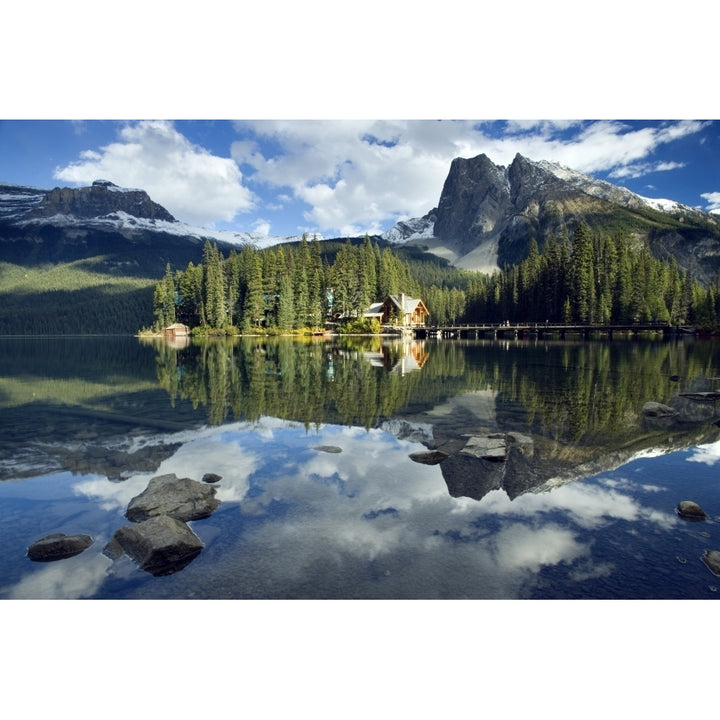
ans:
(180, 498)
(711, 558)
(488, 447)
(211, 478)
(161, 545)
(658, 410)
(690, 510)
(58, 546)
(431, 457)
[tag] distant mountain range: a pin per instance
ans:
(486, 216)
(133, 234)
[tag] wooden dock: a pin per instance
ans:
(515, 330)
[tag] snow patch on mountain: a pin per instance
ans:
(608, 191)
(415, 229)
(17, 202)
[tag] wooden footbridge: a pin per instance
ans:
(515, 330)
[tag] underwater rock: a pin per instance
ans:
(180, 498)
(689, 510)
(328, 448)
(658, 410)
(707, 396)
(431, 457)
(160, 545)
(711, 558)
(489, 447)
(58, 546)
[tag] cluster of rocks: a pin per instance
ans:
(474, 464)
(493, 447)
(690, 510)
(158, 539)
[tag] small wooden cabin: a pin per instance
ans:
(177, 330)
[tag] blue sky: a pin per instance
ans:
(344, 177)
(296, 62)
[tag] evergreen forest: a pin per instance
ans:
(585, 278)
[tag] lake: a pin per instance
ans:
(367, 468)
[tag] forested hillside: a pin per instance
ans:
(584, 279)
(73, 298)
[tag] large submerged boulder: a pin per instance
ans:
(658, 410)
(58, 546)
(180, 498)
(431, 457)
(488, 447)
(689, 510)
(711, 558)
(160, 545)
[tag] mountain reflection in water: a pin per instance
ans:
(365, 520)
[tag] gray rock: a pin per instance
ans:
(658, 410)
(328, 448)
(711, 558)
(180, 498)
(489, 447)
(707, 396)
(58, 546)
(431, 457)
(211, 478)
(161, 545)
(690, 510)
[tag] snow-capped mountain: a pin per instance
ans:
(69, 223)
(486, 216)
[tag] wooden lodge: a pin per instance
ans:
(399, 310)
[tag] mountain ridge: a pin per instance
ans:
(487, 214)
(485, 219)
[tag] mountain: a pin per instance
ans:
(487, 214)
(132, 234)
(86, 260)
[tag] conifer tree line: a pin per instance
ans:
(580, 279)
(593, 279)
(281, 288)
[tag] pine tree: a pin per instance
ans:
(254, 308)
(214, 286)
(582, 276)
(164, 300)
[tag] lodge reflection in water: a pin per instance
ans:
(558, 408)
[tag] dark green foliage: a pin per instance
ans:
(592, 279)
(72, 299)
(584, 279)
(284, 288)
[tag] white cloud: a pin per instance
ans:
(191, 183)
(361, 176)
(353, 176)
(713, 199)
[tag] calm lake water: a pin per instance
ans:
(552, 484)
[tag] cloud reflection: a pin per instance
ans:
(73, 578)
(370, 522)
(707, 454)
(371, 507)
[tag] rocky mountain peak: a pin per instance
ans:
(488, 214)
(100, 199)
